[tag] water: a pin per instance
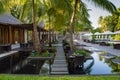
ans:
(19, 65)
(101, 65)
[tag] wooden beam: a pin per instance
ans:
(0, 35)
(10, 36)
(3, 35)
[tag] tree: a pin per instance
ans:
(1, 8)
(72, 12)
(115, 20)
(103, 24)
(105, 4)
(110, 22)
(35, 32)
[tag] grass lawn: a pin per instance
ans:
(26, 77)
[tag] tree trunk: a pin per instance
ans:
(72, 24)
(49, 34)
(36, 40)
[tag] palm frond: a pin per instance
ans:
(2, 10)
(105, 4)
(84, 10)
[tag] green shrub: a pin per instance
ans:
(116, 37)
(80, 52)
(44, 54)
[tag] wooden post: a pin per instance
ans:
(6, 35)
(10, 36)
(11, 57)
(39, 33)
(0, 35)
(50, 66)
(3, 35)
(23, 35)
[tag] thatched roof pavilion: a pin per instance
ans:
(12, 30)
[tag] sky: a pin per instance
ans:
(96, 12)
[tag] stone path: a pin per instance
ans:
(59, 66)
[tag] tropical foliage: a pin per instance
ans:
(59, 15)
(80, 52)
(111, 22)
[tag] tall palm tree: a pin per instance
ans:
(1, 8)
(36, 40)
(4, 6)
(105, 4)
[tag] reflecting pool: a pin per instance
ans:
(102, 65)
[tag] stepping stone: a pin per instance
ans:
(54, 66)
(59, 61)
(59, 73)
(60, 69)
(64, 62)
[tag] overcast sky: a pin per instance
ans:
(96, 12)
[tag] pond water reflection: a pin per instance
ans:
(102, 65)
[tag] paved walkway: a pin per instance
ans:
(59, 66)
(108, 49)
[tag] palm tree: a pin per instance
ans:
(105, 4)
(4, 6)
(1, 8)
(36, 40)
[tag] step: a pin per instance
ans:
(59, 73)
(60, 69)
(59, 62)
(57, 58)
(61, 65)
(60, 55)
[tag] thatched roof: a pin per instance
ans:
(8, 19)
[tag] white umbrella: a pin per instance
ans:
(108, 32)
(117, 32)
(97, 33)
